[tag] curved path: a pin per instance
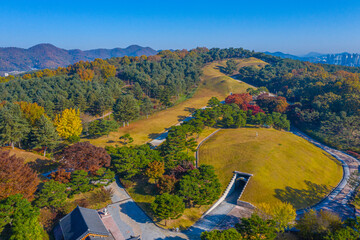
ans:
(132, 220)
(338, 200)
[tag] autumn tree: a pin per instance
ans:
(168, 206)
(61, 175)
(31, 111)
(108, 71)
(16, 177)
(272, 103)
(85, 156)
(166, 184)
(242, 100)
(125, 109)
(68, 123)
(85, 74)
(155, 170)
(283, 214)
(316, 225)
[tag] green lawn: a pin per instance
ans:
(286, 167)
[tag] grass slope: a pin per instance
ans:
(286, 167)
(213, 84)
(37, 162)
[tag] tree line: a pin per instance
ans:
(325, 98)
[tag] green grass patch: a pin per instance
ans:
(286, 167)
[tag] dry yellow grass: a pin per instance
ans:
(37, 162)
(286, 167)
(27, 156)
(213, 84)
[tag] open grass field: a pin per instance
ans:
(214, 84)
(286, 167)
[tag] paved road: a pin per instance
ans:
(338, 200)
(131, 219)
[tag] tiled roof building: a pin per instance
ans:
(82, 224)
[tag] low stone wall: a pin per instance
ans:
(229, 189)
(198, 147)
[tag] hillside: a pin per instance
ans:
(213, 84)
(286, 167)
(49, 56)
(343, 59)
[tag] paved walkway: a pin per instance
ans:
(215, 217)
(338, 200)
(132, 220)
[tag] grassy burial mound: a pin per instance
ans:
(286, 167)
(214, 84)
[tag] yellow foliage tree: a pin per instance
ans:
(31, 111)
(108, 71)
(284, 214)
(85, 74)
(68, 123)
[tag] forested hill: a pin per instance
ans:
(326, 97)
(94, 86)
(48, 56)
(344, 59)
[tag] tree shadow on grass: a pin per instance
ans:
(220, 68)
(190, 109)
(43, 165)
(301, 198)
(182, 118)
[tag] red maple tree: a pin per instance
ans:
(16, 177)
(85, 156)
(241, 99)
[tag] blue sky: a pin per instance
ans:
(296, 27)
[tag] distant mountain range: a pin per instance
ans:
(49, 56)
(345, 59)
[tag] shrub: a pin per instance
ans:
(100, 196)
(166, 184)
